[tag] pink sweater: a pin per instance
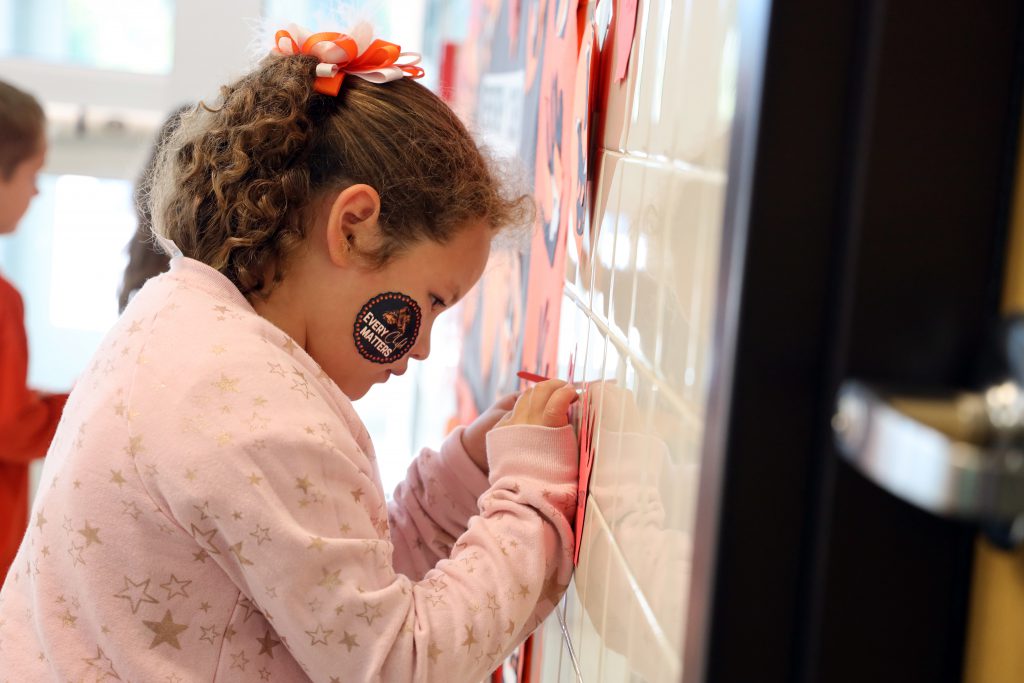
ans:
(211, 509)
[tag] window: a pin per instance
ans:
(93, 221)
(135, 36)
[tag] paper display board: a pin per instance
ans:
(528, 79)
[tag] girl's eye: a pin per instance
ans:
(436, 302)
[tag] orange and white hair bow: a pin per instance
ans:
(358, 54)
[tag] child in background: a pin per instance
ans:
(27, 418)
(212, 508)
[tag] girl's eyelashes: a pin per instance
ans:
(437, 302)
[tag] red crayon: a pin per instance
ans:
(531, 377)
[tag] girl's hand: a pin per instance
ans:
(544, 405)
(474, 437)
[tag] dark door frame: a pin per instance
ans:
(870, 176)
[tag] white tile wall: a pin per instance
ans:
(638, 310)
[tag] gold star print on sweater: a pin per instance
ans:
(211, 509)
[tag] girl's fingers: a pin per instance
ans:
(558, 405)
(506, 402)
(545, 404)
(537, 397)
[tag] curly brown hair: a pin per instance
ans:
(235, 183)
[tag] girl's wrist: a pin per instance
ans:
(479, 459)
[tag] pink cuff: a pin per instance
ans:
(547, 453)
(457, 464)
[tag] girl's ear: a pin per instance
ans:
(352, 228)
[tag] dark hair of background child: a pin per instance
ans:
(21, 128)
(145, 259)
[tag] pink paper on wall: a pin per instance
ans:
(581, 153)
(625, 25)
(511, 320)
(555, 42)
(586, 439)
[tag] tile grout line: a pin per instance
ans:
(569, 646)
(659, 636)
(667, 163)
(639, 362)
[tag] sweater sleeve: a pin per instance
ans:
(432, 507)
(290, 509)
(28, 419)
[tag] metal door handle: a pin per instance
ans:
(958, 456)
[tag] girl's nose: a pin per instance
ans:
(422, 348)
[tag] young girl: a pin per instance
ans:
(27, 418)
(211, 508)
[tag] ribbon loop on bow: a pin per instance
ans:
(339, 55)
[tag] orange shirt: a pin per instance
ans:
(27, 423)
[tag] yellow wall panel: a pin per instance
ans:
(994, 640)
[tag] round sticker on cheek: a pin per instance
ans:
(387, 327)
